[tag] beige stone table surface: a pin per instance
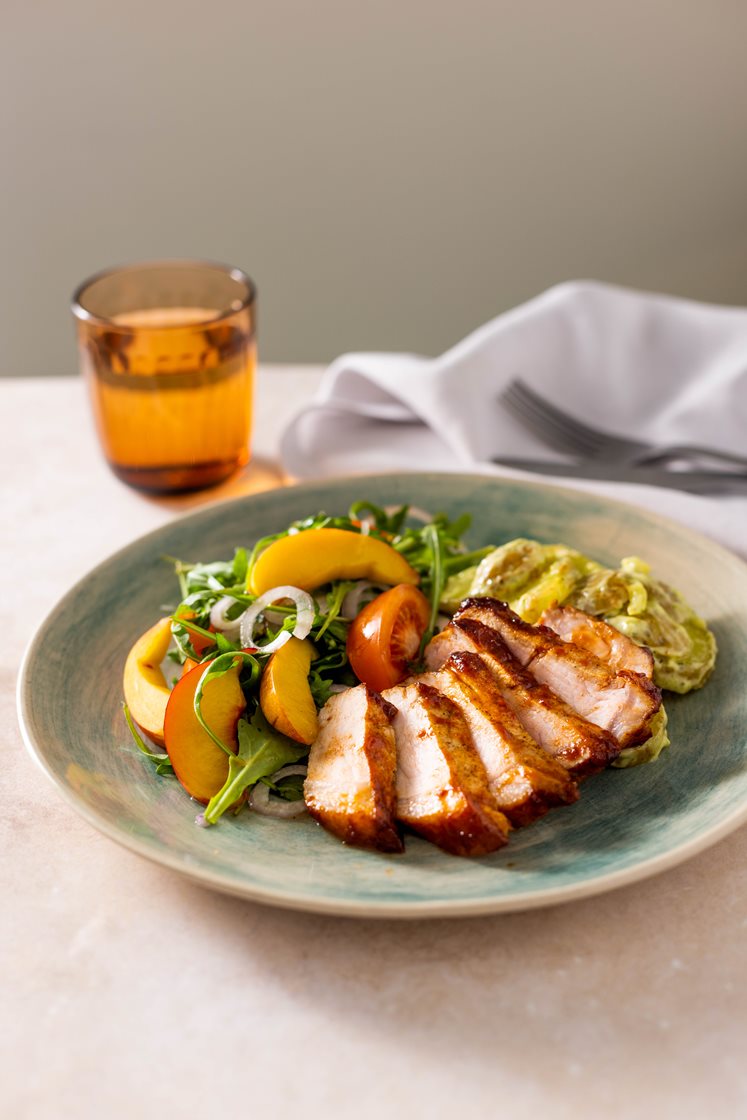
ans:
(129, 992)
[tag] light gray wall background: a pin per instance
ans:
(392, 173)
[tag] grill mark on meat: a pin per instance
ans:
(579, 746)
(623, 703)
(598, 637)
(442, 786)
(350, 786)
(524, 780)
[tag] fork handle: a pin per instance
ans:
(688, 452)
(694, 482)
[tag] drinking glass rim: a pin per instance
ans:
(82, 313)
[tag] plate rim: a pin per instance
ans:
(371, 908)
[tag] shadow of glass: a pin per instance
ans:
(258, 475)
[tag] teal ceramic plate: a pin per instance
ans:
(628, 824)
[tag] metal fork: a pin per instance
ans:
(566, 433)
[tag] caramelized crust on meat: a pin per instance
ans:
(508, 718)
(350, 786)
(598, 637)
(524, 780)
(442, 787)
(451, 639)
(579, 746)
(622, 703)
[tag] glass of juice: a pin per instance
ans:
(168, 351)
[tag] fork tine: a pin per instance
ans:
(556, 426)
(565, 433)
(564, 421)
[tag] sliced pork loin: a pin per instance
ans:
(350, 787)
(622, 703)
(524, 780)
(599, 638)
(579, 746)
(442, 786)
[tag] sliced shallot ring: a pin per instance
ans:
(228, 626)
(295, 770)
(261, 801)
(351, 604)
(305, 612)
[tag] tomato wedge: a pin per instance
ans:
(385, 637)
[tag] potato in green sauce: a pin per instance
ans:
(531, 577)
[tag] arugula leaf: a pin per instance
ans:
(290, 788)
(215, 576)
(334, 605)
(240, 566)
(218, 668)
(321, 688)
(262, 751)
(454, 564)
(162, 762)
(436, 579)
(223, 645)
(385, 524)
(435, 550)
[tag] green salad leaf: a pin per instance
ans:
(161, 762)
(262, 751)
(527, 574)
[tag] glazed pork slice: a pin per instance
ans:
(350, 787)
(524, 780)
(599, 638)
(579, 746)
(442, 787)
(622, 703)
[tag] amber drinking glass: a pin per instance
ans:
(168, 350)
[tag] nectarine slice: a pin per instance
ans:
(199, 763)
(145, 690)
(316, 556)
(284, 693)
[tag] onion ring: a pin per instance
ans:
(305, 612)
(261, 801)
(228, 626)
(351, 604)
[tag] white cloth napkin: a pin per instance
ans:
(649, 366)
